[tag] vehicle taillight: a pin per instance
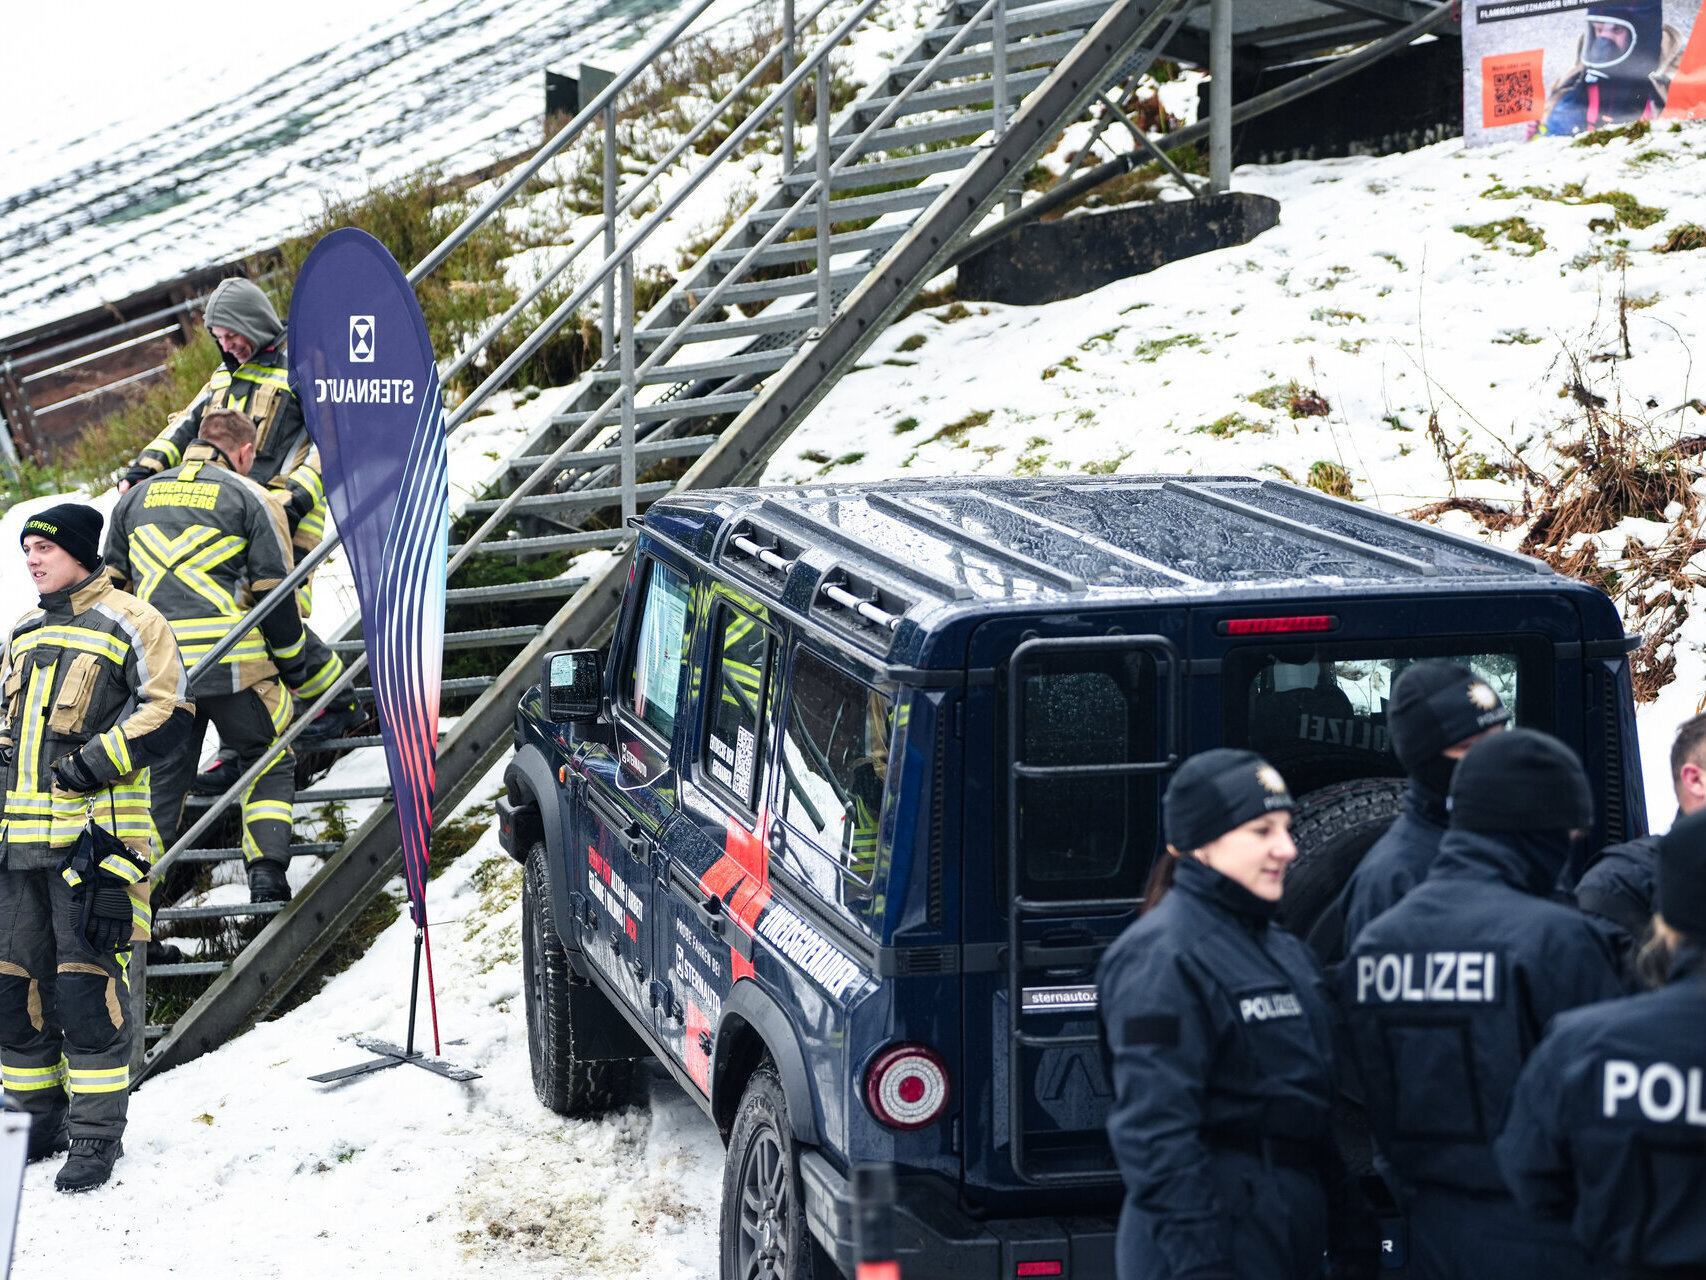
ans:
(1277, 626)
(1049, 1268)
(906, 1086)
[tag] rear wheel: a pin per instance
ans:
(764, 1232)
(1333, 828)
(568, 1020)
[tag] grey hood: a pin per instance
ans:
(240, 306)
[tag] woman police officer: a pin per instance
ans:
(1220, 1040)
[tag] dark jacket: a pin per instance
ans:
(1397, 862)
(1620, 884)
(1220, 1037)
(194, 542)
(1608, 1125)
(93, 671)
(1447, 993)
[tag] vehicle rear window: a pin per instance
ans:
(1090, 835)
(652, 685)
(1318, 713)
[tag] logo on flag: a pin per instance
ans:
(361, 339)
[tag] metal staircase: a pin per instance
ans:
(864, 207)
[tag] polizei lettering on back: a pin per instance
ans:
(1664, 1092)
(364, 390)
(1428, 977)
(809, 949)
(1274, 1004)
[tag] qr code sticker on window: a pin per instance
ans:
(1512, 88)
(1513, 94)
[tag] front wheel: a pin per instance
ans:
(764, 1232)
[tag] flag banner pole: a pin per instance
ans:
(362, 365)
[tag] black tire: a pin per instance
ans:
(763, 1231)
(570, 1025)
(1333, 828)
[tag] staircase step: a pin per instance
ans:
(806, 251)
(766, 289)
(967, 124)
(188, 969)
(235, 855)
(730, 367)
(499, 592)
(591, 540)
(1033, 19)
(231, 911)
(787, 323)
(576, 499)
(1042, 51)
(856, 208)
(874, 173)
(327, 795)
(954, 97)
(646, 451)
(461, 639)
(665, 410)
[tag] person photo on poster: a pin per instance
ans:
(1625, 60)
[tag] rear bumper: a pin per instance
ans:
(934, 1237)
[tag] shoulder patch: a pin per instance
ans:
(1157, 1028)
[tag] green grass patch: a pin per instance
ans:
(911, 342)
(1688, 236)
(1233, 424)
(1514, 233)
(905, 425)
(957, 430)
(1151, 351)
(1335, 316)
(1599, 137)
(1330, 477)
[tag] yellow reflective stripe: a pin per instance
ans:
(117, 748)
(265, 375)
(35, 719)
(71, 637)
(99, 1079)
(167, 449)
(266, 811)
(291, 650)
(71, 877)
(122, 867)
(322, 679)
(141, 916)
(311, 525)
(28, 1079)
(220, 380)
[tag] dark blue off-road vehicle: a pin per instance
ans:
(869, 779)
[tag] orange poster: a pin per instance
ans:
(1512, 88)
(1687, 99)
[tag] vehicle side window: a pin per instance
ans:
(734, 743)
(837, 762)
(651, 682)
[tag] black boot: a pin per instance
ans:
(267, 881)
(163, 953)
(336, 721)
(219, 775)
(89, 1165)
(49, 1134)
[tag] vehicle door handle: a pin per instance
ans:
(711, 914)
(625, 827)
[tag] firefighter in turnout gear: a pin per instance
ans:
(1445, 995)
(1607, 1129)
(1220, 1041)
(190, 541)
(254, 379)
(95, 694)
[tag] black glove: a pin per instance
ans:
(136, 473)
(71, 773)
(99, 870)
(6, 755)
(109, 923)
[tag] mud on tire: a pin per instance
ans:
(577, 1044)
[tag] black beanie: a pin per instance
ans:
(1681, 897)
(1520, 781)
(1435, 705)
(1215, 791)
(75, 527)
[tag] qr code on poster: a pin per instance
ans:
(1513, 93)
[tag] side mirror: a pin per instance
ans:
(572, 681)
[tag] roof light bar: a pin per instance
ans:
(1277, 626)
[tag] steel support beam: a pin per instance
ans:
(1220, 97)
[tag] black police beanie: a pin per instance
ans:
(1520, 781)
(1435, 705)
(75, 527)
(1215, 791)
(1681, 897)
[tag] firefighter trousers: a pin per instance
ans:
(65, 1031)
(248, 723)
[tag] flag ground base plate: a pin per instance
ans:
(394, 1056)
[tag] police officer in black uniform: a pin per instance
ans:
(1220, 1040)
(1445, 994)
(1607, 1129)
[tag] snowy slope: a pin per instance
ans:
(1363, 292)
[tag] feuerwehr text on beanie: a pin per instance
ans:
(1435, 705)
(1520, 781)
(1681, 897)
(1215, 791)
(73, 526)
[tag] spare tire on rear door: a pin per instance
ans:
(1332, 828)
